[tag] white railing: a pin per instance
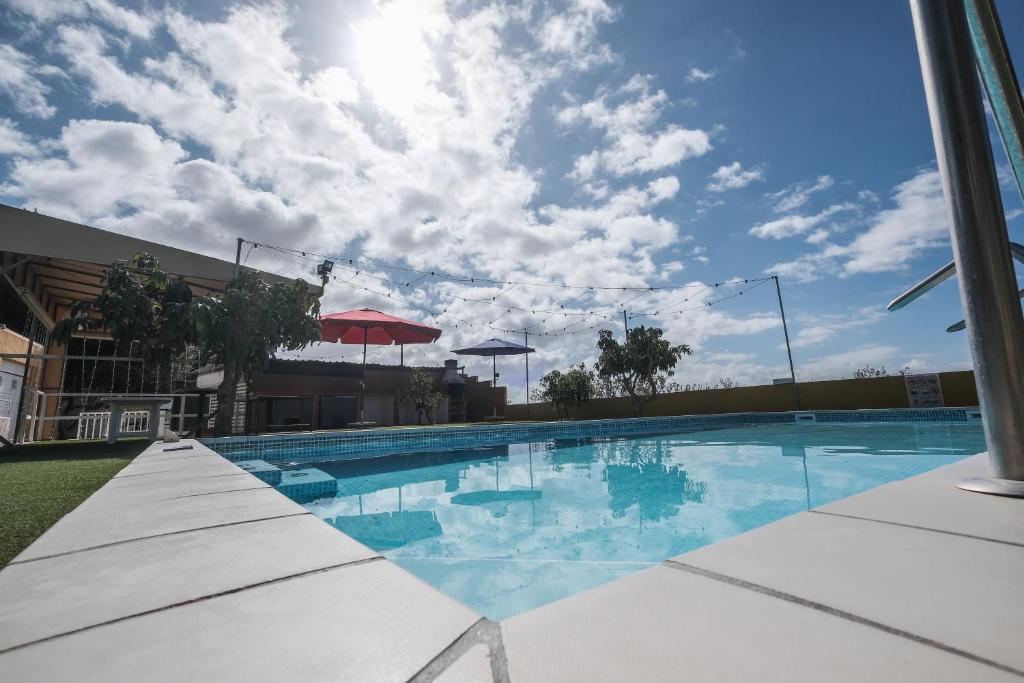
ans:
(96, 425)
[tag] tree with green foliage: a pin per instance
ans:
(139, 304)
(239, 330)
(421, 395)
(642, 365)
(242, 329)
(564, 389)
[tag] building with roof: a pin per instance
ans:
(295, 395)
(49, 264)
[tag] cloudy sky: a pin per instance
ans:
(593, 144)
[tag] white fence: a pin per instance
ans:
(96, 425)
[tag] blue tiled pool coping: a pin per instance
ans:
(370, 443)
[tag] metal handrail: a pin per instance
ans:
(941, 275)
(1000, 80)
(977, 225)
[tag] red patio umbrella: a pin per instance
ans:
(367, 326)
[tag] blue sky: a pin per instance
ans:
(585, 143)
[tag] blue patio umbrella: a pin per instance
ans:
(494, 348)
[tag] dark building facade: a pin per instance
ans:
(297, 395)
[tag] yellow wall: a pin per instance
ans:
(844, 394)
(12, 342)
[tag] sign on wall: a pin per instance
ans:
(924, 391)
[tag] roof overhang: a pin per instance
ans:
(53, 263)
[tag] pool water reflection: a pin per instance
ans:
(509, 528)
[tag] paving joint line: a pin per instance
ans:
(835, 612)
(214, 493)
(185, 603)
(193, 478)
(481, 632)
(920, 528)
(145, 538)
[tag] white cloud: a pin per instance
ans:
(696, 75)
(893, 238)
(13, 142)
(815, 329)
(663, 188)
(628, 120)
(733, 177)
(1014, 213)
(19, 79)
(573, 33)
(915, 224)
(334, 84)
(789, 226)
(844, 363)
(795, 196)
(818, 236)
(135, 23)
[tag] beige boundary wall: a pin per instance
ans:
(958, 389)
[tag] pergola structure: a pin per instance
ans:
(53, 263)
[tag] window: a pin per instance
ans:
(337, 411)
(288, 413)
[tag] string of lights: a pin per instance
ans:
(365, 263)
(305, 258)
(488, 301)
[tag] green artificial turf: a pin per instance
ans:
(42, 482)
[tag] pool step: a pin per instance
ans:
(262, 470)
(307, 484)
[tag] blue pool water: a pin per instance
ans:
(508, 528)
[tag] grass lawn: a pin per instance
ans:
(42, 482)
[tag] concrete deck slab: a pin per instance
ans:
(128, 491)
(95, 523)
(932, 501)
(161, 455)
(147, 480)
(209, 466)
(922, 582)
(70, 592)
(366, 622)
(667, 625)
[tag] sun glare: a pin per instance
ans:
(394, 58)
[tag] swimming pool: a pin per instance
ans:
(506, 528)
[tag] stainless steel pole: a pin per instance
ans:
(981, 248)
(1001, 86)
(238, 257)
(789, 350)
(526, 342)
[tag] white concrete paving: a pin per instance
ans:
(931, 501)
(159, 572)
(367, 622)
(913, 580)
(99, 521)
(184, 568)
(668, 625)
